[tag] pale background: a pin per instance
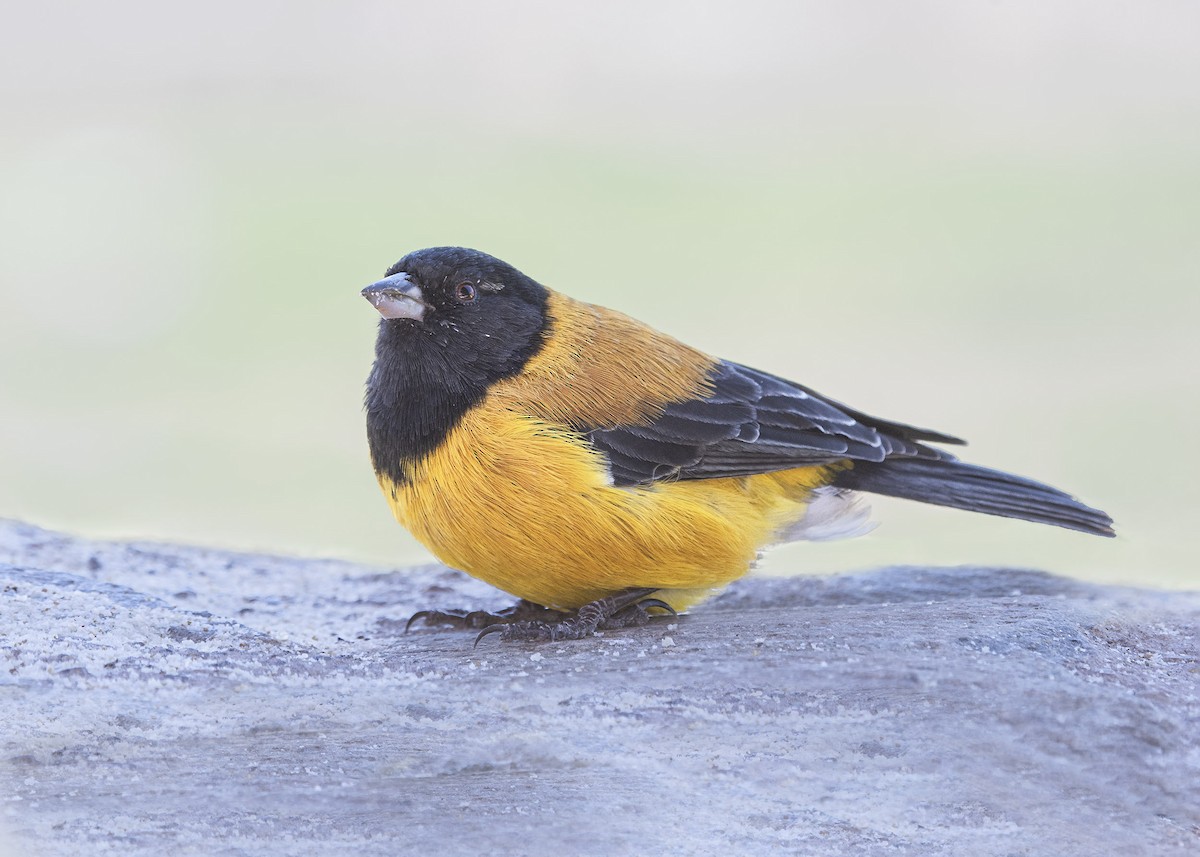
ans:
(979, 217)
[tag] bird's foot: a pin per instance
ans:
(629, 608)
(522, 611)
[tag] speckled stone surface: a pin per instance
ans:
(160, 699)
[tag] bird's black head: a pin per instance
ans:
(482, 312)
(454, 322)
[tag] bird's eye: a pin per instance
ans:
(464, 293)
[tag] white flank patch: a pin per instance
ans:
(833, 513)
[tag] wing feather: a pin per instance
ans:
(753, 422)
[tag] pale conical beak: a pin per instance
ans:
(397, 297)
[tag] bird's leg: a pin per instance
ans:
(622, 610)
(522, 611)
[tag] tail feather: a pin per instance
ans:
(976, 489)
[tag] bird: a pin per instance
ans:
(604, 472)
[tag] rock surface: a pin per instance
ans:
(159, 699)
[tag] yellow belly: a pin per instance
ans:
(526, 506)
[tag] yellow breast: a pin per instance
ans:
(528, 507)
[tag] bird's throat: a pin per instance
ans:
(415, 398)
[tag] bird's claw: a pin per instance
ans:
(623, 610)
(471, 619)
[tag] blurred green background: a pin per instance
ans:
(983, 218)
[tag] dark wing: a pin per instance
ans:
(752, 423)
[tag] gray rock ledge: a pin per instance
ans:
(158, 699)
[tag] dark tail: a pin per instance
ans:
(977, 489)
